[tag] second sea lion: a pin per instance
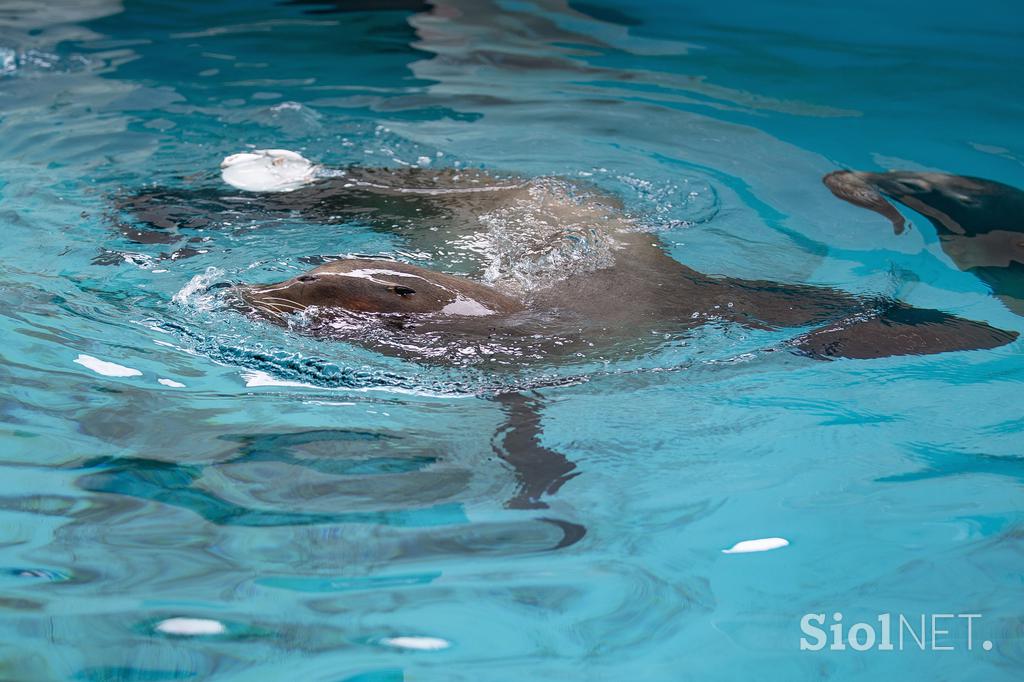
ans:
(980, 223)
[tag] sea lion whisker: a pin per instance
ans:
(281, 308)
(288, 308)
(283, 301)
(267, 310)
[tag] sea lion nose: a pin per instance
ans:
(862, 189)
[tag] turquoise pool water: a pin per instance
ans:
(190, 494)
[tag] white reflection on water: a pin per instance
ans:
(107, 369)
(191, 627)
(416, 643)
(759, 545)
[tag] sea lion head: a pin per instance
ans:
(955, 203)
(359, 285)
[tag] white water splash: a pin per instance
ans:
(547, 235)
(194, 293)
(256, 378)
(671, 205)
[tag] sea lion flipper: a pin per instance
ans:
(902, 330)
(852, 187)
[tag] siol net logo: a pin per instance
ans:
(891, 632)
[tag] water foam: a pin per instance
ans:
(195, 295)
(548, 235)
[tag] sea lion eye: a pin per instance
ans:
(307, 278)
(402, 291)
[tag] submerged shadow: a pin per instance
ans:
(349, 457)
(539, 470)
(176, 485)
(942, 463)
(350, 468)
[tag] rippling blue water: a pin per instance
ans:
(320, 512)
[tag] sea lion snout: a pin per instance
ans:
(846, 182)
(860, 189)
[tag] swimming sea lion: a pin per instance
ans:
(980, 223)
(406, 310)
(479, 323)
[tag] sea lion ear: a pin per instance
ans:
(402, 291)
